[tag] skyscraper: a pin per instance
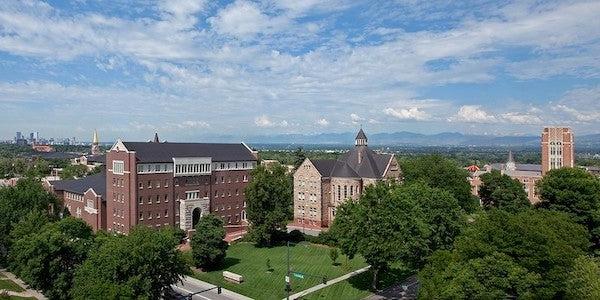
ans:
(557, 148)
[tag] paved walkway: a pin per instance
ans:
(406, 290)
(329, 282)
(190, 285)
(27, 293)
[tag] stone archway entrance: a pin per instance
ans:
(196, 213)
(190, 212)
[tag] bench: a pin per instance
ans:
(232, 277)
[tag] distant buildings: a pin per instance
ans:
(320, 186)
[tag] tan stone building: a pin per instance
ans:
(557, 148)
(320, 186)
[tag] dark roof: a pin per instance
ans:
(164, 152)
(361, 135)
(519, 167)
(100, 158)
(372, 164)
(324, 166)
(97, 182)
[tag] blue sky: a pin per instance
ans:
(192, 69)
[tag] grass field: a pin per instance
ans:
(249, 261)
(7, 284)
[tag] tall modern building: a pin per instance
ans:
(160, 184)
(320, 186)
(557, 148)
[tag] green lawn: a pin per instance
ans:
(6, 284)
(247, 260)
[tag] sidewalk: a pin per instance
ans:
(191, 285)
(329, 282)
(27, 293)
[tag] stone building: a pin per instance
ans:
(320, 186)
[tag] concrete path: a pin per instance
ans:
(329, 282)
(191, 285)
(28, 292)
(406, 290)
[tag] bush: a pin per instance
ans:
(295, 236)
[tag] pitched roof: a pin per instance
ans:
(372, 164)
(97, 182)
(361, 135)
(164, 152)
(519, 167)
(324, 166)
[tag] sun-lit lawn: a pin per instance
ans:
(249, 261)
(9, 285)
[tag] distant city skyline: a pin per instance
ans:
(195, 69)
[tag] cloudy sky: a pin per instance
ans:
(191, 69)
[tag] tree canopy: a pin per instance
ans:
(46, 260)
(439, 172)
(269, 201)
(208, 246)
(394, 223)
(584, 280)
(524, 255)
(503, 192)
(140, 265)
(575, 192)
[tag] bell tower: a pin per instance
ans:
(361, 139)
(95, 144)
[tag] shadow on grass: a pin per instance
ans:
(227, 263)
(386, 279)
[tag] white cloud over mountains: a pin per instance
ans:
(248, 61)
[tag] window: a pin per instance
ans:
(141, 200)
(157, 183)
(90, 204)
(157, 199)
(141, 216)
(114, 182)
(167, 183)
(149, 200)
(166, 198)
(345, 192)
(149, 216)
(141, 185)
(149, 184)
(245, 178)
(166, 213)
(158, 215)
(237, 192)
(118, 167)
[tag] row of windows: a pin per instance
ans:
(234, 165)
(192, 168)
(154, 168)
(237, 217)
(119, 213)
(156, 199)
(149, 215)
(237, 206)
(74, 197)
(347, 191)
(229, 180)
(117, 182)
(150, 184)
(118, 198)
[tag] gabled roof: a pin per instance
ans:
(97, 182)
(164, 152)
(372, 164)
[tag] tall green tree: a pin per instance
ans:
(15, 203)
(584, 280)
(299, 157)
(575, 192)
(392, 223)
(505, 255)
(140, 265)
(208, 245)
(47, 260)
(439, 172)
(502, 192)
(73, 171)
(269, 198)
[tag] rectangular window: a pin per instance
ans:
(157, 183)
(167, 183)
(141, 200)
(166, 198)
(118, 167)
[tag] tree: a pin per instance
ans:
(208, 247)
(73, 171)
(392, 223)
(575, 192)
(299, 157)
(15, 203)
(439, 172)
(140, 265)
(47, 260)
(504, 255)
(503, 192)
(584, 280)
(269, 198)
(333, 254)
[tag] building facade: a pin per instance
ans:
(84, 198)
(557, 148)
(320, 186)
(174, 184)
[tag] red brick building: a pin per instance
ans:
(174, 184)
(84, 198)
(557, 148)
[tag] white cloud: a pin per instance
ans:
(240, 19)
(473, 114)
(412, 113)
(580, 116)
(356, 118)
(323, 122)
(192, 124)
(264, 121)
(522, 119)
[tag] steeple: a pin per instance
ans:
(95, 144)
(510, 164)
(361, 138)
(156, 140)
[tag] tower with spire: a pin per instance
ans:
(361, 138)
(95, 144)
(510, 164)
(156, 140)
